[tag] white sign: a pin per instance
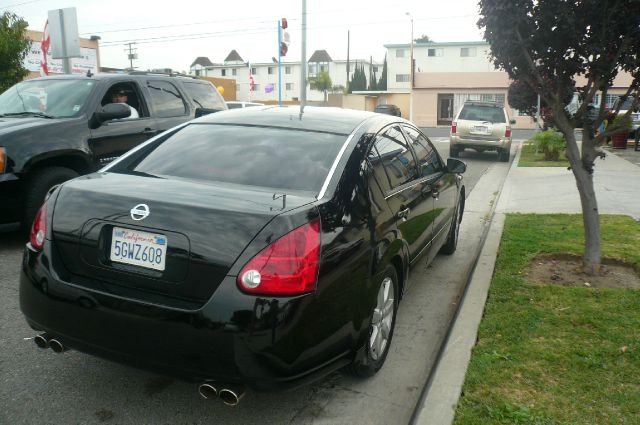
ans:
(87, 61)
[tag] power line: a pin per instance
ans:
(252, 31)
(18, 4)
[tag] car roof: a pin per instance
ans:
(483, 103)
(330, 120)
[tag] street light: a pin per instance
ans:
(411, 71)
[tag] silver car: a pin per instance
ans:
(482, 126)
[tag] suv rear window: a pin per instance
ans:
(204, 95)
(253, 156)
(482, 113)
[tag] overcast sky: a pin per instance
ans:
(172, 34)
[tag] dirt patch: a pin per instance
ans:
(566, 270)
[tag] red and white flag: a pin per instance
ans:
(252, 84)
(44, 46)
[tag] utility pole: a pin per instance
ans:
(348, 45)
(132, 54)
(279, 63)
(411, 74)
(303, 58)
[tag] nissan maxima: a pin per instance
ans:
(261, 248)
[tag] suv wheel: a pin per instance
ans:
(37, 186)
(503, 155)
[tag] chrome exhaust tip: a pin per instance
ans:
(232, 394)
(207, 390)
(57, 346)
(42, 340)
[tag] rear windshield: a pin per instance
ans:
(255, 156)
(482, 113)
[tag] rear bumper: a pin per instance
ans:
(9, 198)
(233, 338)
(476, 143)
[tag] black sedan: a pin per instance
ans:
(266, 247)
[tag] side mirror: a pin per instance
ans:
(456, 166)
(112, 111)
(512, 121)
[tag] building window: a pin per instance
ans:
(223, 72)
(435, 52)
(271, 70)
(375, 69)
(197, 72)
(289, 86)
(610, 99)
(234, 72)
(254, 71)
(256, 87)
(287, 70)
(399, 53)
(466, 52)
(324, 68)
(313, 69)
(403, 78)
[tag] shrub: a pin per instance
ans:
(551, 143)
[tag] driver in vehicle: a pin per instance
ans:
(121, 96)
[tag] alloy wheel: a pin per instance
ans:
(382, 320)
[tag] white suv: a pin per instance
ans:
(482, 126)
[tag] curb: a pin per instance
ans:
(439, 399)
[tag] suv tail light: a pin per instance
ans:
(507, 132)
(289, 266)
(454, 127)
(3, 160)
(39, 228)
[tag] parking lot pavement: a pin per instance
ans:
(39, 386)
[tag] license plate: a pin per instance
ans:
(138, 248)
(480, 129)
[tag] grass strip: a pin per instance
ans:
(529, 158)
(554, 355)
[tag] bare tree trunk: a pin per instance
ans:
(582, 167)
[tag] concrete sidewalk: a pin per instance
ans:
(526, 190)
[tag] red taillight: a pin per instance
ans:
(289, 266)
(507, 132)
(454, 127)
(39, 228)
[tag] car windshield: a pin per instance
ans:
(283, 159)
(482, 113)
(56, 98)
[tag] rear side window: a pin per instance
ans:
(166, 99)
(428, 160)
(396, 157)
(482, 113)
(204, 95)
(254, 156)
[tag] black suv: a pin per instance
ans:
(53, 129)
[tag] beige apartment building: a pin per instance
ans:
(448, 74)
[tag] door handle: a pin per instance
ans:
(403, 213)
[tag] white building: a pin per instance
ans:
(265, 75)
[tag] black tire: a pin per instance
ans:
(371, 362)
(453, 152)
(37, 186)
(451, 243)
(503, 155)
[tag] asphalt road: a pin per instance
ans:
(39, 386)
